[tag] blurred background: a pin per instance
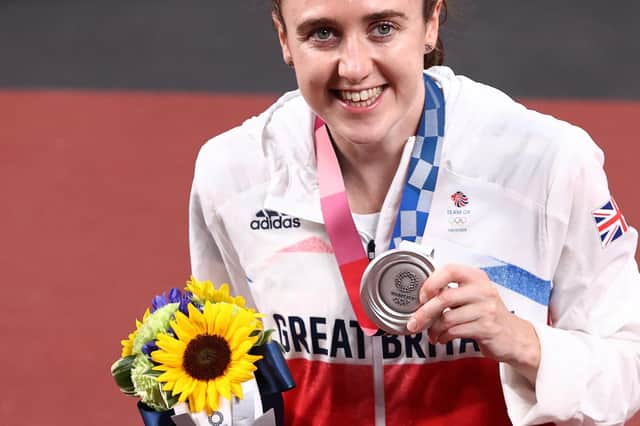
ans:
(104, 105)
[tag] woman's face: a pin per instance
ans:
(358, 63)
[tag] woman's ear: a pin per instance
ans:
(282, 38)
(433, 26)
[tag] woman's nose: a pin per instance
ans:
(355, 60)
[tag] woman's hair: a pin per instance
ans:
(435, 57)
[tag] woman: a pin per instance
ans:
(541, 327)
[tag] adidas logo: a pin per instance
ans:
(269, 219)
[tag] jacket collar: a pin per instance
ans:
(287, 138)
(290, 152)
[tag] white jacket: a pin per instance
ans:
(532, 183)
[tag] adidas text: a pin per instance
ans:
(271, 221)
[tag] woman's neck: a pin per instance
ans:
(368, 167)
(368, 172)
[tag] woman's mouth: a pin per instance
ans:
(360, 98)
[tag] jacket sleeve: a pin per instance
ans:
(213, 256)
(590, 353)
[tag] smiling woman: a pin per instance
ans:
(385, 155)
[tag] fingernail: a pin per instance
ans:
(422, 298)
(411, 325)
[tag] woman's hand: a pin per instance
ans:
(474, 310)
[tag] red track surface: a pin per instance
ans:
(93, 223)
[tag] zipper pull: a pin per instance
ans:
(371, 250)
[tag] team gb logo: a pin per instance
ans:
(459, 199)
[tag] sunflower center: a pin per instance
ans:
(206, 357)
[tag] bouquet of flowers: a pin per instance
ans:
(196, 348)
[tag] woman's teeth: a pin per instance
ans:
(362, 98)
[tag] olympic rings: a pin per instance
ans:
(458, 220)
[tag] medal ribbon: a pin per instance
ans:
(414, 207)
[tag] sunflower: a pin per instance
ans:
(209, 356)
(127, 344)
(205, 291)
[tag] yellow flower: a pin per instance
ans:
(205, 291)
(209, 358)
(127, 344)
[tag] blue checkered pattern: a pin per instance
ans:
(423, 169)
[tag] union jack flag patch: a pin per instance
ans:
(610, 222)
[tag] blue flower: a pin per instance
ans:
(149, 347)
(172, 296)
(185, 299)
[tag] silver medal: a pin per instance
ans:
(390, 286)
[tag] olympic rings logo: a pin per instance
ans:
(458, 220)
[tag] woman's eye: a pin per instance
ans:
(323, 34)
(383, 29)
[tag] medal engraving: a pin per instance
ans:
(400, 287)
(390, 286)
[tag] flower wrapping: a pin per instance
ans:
(193, 359)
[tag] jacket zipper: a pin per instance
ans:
(371, 250)
(378, 368)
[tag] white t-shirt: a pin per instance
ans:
(366, 224)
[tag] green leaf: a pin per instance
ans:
(265, 337)
(169, 399)
(121, 372)
(153, 373)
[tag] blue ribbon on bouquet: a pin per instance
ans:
(272, 376)
(155, 418)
